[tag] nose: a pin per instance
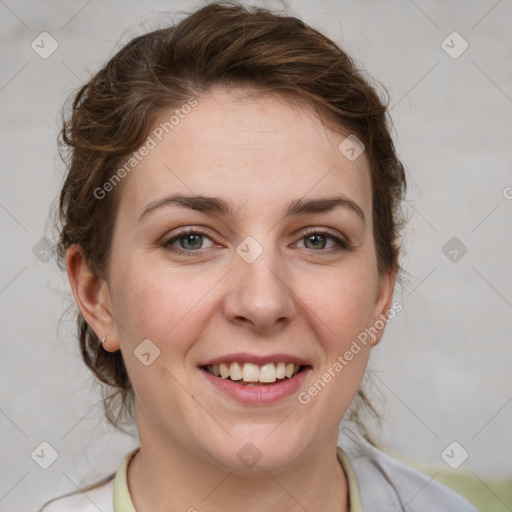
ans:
(260, 296)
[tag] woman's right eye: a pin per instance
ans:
(189, 241)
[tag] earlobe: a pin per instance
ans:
(383, 304)
(92, 297)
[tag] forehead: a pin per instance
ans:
(254, 150)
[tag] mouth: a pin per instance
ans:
(252, 374)
(253, 379)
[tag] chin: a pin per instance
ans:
(253, 451)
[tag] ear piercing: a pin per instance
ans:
(103, 340)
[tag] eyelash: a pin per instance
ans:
(167, 244)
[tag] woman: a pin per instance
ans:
(230, 227)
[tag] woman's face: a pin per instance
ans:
(265, 282)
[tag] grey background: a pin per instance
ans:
(442, 371)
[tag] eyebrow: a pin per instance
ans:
(216, 205)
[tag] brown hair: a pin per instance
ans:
(221, 43)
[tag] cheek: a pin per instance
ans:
(344, 310)
(344, 301)
(153, 303)
(159, 303)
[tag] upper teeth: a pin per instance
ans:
(250, 372)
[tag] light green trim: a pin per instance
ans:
(353, 488)
(122, 499)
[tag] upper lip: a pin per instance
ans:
(244, 357)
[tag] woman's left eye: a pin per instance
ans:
(319, 239)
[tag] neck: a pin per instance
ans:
(159, 479)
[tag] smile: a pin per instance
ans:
(253, 374)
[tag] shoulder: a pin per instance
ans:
(388, 484)
(101, 497)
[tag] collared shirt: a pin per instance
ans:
(123, 501)
(376, 483)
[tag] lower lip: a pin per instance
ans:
(258, 394)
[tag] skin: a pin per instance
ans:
(258, 153)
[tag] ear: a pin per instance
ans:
(92, 296)
(382, 309)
